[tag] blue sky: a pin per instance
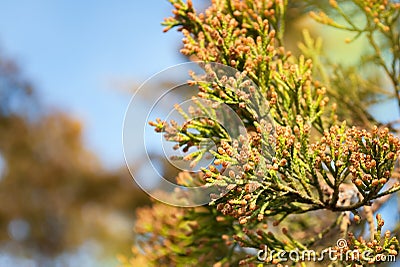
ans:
(82, 55)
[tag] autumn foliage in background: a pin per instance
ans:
(55, 196)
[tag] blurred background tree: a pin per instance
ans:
(55, 196)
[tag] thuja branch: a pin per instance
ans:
(295, 156)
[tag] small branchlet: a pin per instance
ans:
(363, 252)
